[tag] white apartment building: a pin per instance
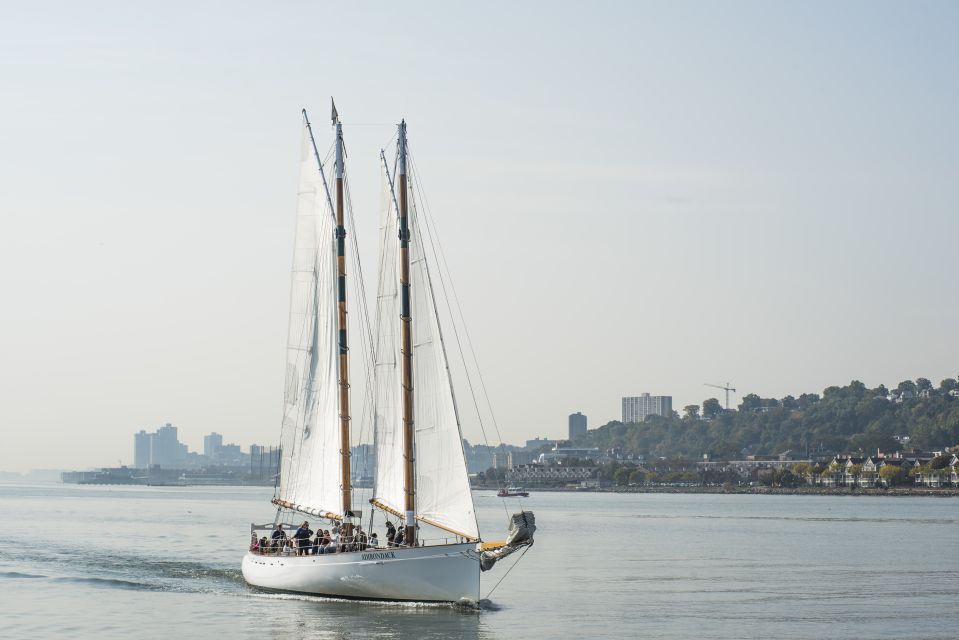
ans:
(637, 408)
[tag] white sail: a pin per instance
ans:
(441, 483)
(310, 472)
(388, 398)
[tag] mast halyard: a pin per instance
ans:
(407, 347)
(341, 323)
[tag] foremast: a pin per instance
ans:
(406, 349)
(341, 325)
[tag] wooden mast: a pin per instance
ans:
(341, 332)
(409, 535)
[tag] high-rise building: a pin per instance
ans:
(638, 408)
(212, 444)
(577, 425)
(142, 444)
(167, 450)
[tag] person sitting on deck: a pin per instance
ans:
(264, 546)
(346, 542)
(398, 540)
(390, 533)
(329, 542)
(374, 542)
(254, 542)
(302, 539)
(277, 539)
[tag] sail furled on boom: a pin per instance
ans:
(441, 483)
(310, 471)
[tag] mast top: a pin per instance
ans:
(334, 116)
(402, 146)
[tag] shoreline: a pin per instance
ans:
(940, 492)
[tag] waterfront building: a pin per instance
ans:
(577, 425)
(142, 445)
(548, 475)
(538, 443)
(212, 444)
(166, 449)
(517, 458)
(638, 408)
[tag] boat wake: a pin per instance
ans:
(99, 568)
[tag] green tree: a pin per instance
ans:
(948, 384)
(691, 411)
(906, 385)
(807, 400)
(711, 408)
(802, 469)
(892, 475)
(923, 384)
(787, 478)
(939, 462)
(750, 402)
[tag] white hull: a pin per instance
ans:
(447, 573)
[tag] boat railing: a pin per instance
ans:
(288, 546)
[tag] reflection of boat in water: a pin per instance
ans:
(428, 493)
(513, 492)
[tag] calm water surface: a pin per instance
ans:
(112, 562)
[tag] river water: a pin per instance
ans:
(161, 562)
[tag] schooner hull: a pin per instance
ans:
(447, 573)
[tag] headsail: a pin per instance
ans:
(443, 491)
(387, 416)
(442, 486)
(311, 466)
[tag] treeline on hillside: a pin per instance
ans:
(844, 419)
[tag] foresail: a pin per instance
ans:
(310, 472)
(442, 485)
(387, 416)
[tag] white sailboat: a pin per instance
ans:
(421, 476)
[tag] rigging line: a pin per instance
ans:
(361, 283)
(365, 331)
(507, 571)
(469, 341)
(364, 322)
(386, 258)
(316, 154)
(429, 228)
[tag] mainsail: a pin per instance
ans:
(442, 487)
(310, 472)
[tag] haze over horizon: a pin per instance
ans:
(641, 197)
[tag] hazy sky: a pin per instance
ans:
(633, 197)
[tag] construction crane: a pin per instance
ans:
(724, 387)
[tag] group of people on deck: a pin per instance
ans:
(306, 542)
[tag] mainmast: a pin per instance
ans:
(406, 349)
(341, 329)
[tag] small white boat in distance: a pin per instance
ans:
(513, 492)
(420, 479)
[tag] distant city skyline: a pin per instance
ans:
(637, 196)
